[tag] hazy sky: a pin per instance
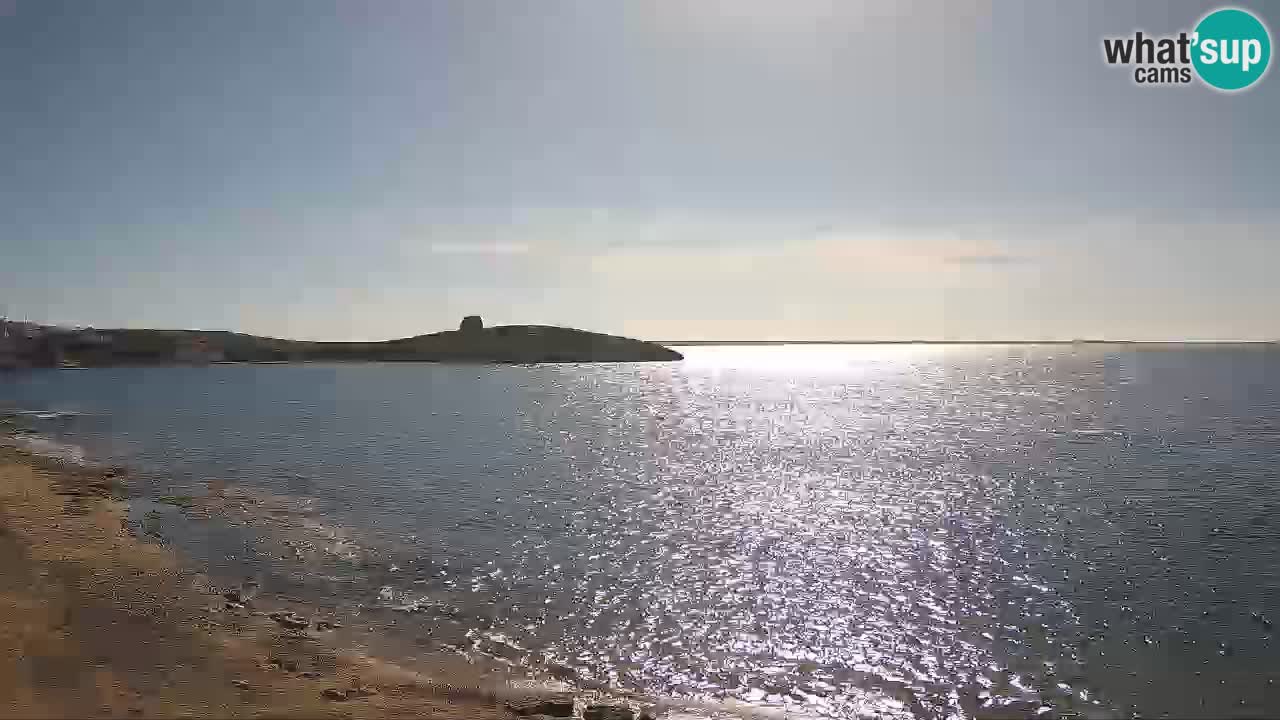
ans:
(662, 169)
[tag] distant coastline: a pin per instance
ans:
(29, 345)
(699, 343)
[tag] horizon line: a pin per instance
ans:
(964, 342)
(690, 342)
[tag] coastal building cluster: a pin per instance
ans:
(24, 344)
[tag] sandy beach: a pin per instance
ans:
(98, 623)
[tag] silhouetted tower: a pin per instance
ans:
(471, 323)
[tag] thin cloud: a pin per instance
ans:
(487, 249)
(995, 260)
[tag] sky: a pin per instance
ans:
(741, 169)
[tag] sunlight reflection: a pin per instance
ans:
(805, 359)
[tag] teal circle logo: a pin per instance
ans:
(1231, 49)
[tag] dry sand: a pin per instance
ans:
(97, 623)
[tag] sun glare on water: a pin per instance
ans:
(806, 359)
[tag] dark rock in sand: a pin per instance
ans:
(327, 625)
(286, 665)
(608, 712)
(290, 619)
(362, 691)
(556, 706)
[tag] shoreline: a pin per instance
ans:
(219, 644)
(102, 623)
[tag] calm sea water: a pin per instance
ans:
(841, 530)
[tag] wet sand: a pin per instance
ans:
(98, 623)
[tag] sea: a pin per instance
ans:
(824, 531)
